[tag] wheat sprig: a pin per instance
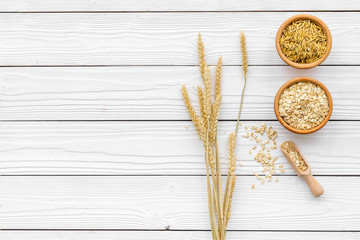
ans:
(245, 69)
(206, 126)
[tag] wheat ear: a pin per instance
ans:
(244, 53)
(232, 158)
(201, 101)
(188, 105)
(197, 121)
(201, 52)
(207, 93)
(232, 168)
(218, 77)
(214, 119)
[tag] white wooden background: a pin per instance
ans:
(95, 142)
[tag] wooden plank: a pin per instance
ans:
(171, 235)
(174, 202)
(158, 38)
(174, 5)
(123, 93)
(157, 148)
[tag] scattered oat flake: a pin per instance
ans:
(253, 186)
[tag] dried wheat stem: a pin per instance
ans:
(214, 181)
(211, 164)
(210, 202)
(230, 198)
(219, 188)
(217, 236)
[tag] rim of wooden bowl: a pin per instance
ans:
(288, 84)
(318, 22)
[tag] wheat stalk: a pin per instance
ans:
(231, 178)
(245, 69)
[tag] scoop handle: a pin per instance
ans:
(314, 185)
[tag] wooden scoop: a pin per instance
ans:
(314, 185)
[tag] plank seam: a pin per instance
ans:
(189, 11)
(168, 230)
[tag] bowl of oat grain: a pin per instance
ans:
(303, 41)
(303, 105)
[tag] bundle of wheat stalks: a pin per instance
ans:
(206, 126)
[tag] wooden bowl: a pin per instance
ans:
(318, 22)
(288, 84)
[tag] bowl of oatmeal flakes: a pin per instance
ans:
(303, 105)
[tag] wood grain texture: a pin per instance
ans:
(172, 235)
(158, 148)
(153, 93)
(177, 203)
(174, 5)
(158, 38)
